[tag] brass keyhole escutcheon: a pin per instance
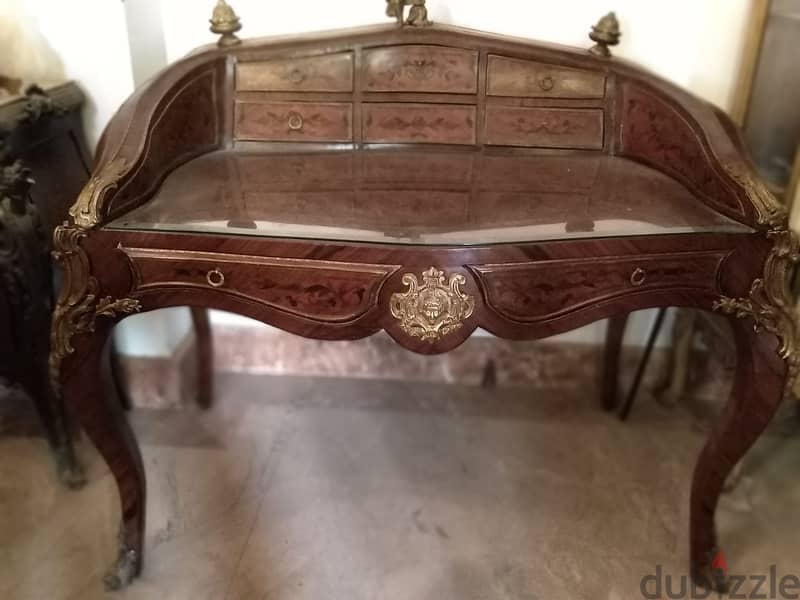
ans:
(295, 121)
(637, 277)
(547, 83)
(215, 278)
(296, 76)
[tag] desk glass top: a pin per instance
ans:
(422, 197)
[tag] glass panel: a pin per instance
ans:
(773, 121)
(422, 197)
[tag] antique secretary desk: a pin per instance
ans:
(427, 181)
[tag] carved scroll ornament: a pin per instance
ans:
(433, 309)
(770, 302)
(78, 303)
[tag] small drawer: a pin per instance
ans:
(579, 128)
(294, 121)
(420, 123)
(521, 78)
(319, 290)
(541, 291)
(332, 73)
(421, 69)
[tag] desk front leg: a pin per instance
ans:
(87, 388)
(757, 391)
(80, 366)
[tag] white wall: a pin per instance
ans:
(91, 38)
(695, 44)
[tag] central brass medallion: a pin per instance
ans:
(433, 309)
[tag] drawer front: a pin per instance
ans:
(541, 291)
(332, 73)
(315, 289)
(422, 123)
(294, 121)
(521, 78)
(421, 69)
(579, 128)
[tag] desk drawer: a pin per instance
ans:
(420, 123)
(315, 289)
(579, 128)
(332, 73)
(294, 121)
(521, 78)
(421, 69)
(550, 289)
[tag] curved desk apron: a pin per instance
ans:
(426, 181)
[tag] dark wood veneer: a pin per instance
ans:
(551, 187)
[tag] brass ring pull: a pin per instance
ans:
(295, 121)
(215, 278)
(547, 83)
(637, 277)
(297, 76)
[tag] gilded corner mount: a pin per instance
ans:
(435, 308)
(87, 212)
(769, 302)
(78, 305)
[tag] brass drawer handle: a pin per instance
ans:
(638, 276)
(295, 121)
(297, 76)
(215, 278)
(547, 83)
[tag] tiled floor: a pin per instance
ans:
(341, 489)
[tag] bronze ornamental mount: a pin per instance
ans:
(225, 22)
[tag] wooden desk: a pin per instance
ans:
(426, 181)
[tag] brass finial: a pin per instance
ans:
(417, 16)
(225, 23)
(606, 33)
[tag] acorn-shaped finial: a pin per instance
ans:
(225, 23)
(606, 33)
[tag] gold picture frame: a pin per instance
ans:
(763, 15)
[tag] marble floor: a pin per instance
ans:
(297, 488)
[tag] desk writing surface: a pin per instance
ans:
(430, 197)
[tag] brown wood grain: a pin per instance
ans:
(294, 121)
(326, 73)
(512, 77)
(544, 127)
(421, 69)
(419, 123)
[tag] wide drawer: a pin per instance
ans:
(422, 123)
(315, 289)
(528, 292)
(294, 121)
(578, 128)
(522, 78)
(421, 69)
(331, 73)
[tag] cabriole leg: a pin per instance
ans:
(757, 392)
(87, 389)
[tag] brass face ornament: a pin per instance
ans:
(435, 308)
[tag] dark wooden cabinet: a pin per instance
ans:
(44, 164)
(426, 181)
